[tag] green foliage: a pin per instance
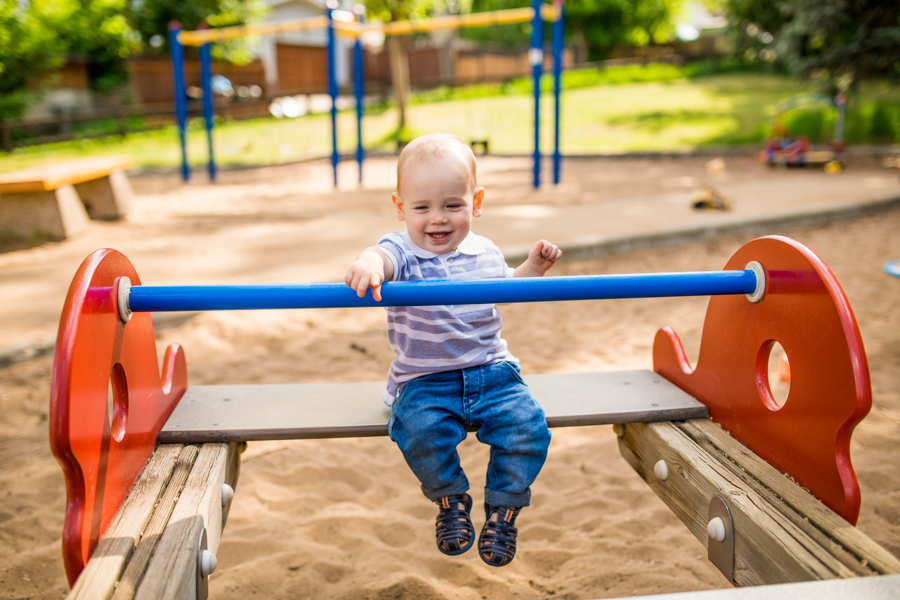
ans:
(842, 41)
(754, 25)
(605, 24)
(99, 30)
(28, 49)
(601, 24)
(511, 35)
(867, 122)
(849, 40)
(398, 10)
(152, 18)
(816, 125)
(571, 80)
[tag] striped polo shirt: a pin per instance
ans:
(432, 339)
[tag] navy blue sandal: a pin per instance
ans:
(497, 542)
(454, 531)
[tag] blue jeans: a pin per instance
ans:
(430, 416)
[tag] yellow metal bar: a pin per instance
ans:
(351, 29)
(484, 19)
(200, 37)
(550, 12)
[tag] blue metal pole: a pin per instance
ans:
(330, 6)
(206, 82)
(557, 41)
(177, 53)
(536, 57)
(358, 83)
(429, 293)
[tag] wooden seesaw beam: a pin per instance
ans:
(106, 356)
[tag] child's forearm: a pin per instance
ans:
(526, 269)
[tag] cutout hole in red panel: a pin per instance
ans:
(117, 404)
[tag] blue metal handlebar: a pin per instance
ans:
(433, 292)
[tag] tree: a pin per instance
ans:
(28, 49)
(511, 35)
(846, 40)
(152, 18)
(99, 30)
(600, 25)
(399, 10)
(753, 26)
(850, 40)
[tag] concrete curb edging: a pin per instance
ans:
(600, 246)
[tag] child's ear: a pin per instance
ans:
(477, 202)
(398, 204)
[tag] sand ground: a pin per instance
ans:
(344, 518)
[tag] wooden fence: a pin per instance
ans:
(301, 70)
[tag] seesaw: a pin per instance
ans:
(151, 464)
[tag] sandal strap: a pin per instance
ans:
(498, 538)
(454, 531)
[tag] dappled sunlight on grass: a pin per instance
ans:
(670, 113)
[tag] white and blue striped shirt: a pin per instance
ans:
(432, 339)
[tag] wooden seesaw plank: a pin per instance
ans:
(324, 410)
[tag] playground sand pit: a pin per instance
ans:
(345, 518)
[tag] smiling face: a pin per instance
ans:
(437, 199)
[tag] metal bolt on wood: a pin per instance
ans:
(661, 470)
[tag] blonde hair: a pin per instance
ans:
(436, 147)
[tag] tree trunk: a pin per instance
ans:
(581, 47)
(397, 51)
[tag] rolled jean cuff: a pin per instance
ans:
(507, 499)
(459, 486)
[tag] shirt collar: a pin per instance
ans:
(471, 246)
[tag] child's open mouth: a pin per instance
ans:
(438, 237)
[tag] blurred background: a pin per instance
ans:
(93, 77)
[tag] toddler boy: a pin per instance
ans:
(452, 369)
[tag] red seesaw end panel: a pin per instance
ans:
(101, 363)
(806, 311)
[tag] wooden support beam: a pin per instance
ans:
(137, 566)
(782, 534)
(172, 571)
(149, 550)
(861, 588)
(100, 575)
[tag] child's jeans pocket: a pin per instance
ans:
(515, 370)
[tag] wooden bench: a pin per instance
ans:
(56, 201)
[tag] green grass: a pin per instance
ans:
(652, 108)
